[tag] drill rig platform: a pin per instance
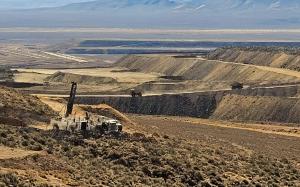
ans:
(88, 123)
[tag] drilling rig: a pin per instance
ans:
(73, 123)
(71, 99)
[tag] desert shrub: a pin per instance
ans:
(3, 135)
(10, 179)
(25, 143)
(140, 160)
(35, 147)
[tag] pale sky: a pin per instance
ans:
(12, 4)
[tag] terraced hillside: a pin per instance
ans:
(254, 108)
(275, 57)
(205, 70)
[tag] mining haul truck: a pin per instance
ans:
(237, 86)
(135, 93)
(98, 124)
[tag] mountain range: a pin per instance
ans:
(191, 4)
(152, 13)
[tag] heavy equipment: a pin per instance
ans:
(237, 86)
(135, 93)
(87, 123)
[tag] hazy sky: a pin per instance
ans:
(152, 13)
(12, 4)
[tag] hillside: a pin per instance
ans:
(205, 70)
(275, 57)
(19, 109)
(253, 108)
(61, 77)
(159, 64)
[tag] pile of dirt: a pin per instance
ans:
(204, 70)
(274, 57)
(62, 77)
(107, 111)
(21, 109)
(137, 160)
(260, 109)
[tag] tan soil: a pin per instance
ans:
(254, 137)
(30, 77)
(254, 108)
(59, 105)
(205, 70)
(8, 153)
(106, 111)
(279, 58)
(21, 109)
(122, 77)
(61, 77)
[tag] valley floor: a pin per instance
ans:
(264, 139)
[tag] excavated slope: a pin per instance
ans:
(177, 105)
(20, 109)
(166, 65)
(204, 70)
(224, 105)
(253, 108)
(80, 79)
(281, 58)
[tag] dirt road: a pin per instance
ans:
(68, 57)
(279, 146)
(166, 93)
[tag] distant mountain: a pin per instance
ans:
(26, 4)
(225, 5)
(162, 13)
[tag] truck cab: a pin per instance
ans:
(110, 126)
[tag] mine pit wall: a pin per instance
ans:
(258, 109)
(222, 105)
(285, 91)
(201, 106)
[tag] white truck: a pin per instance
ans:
(72, 125)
